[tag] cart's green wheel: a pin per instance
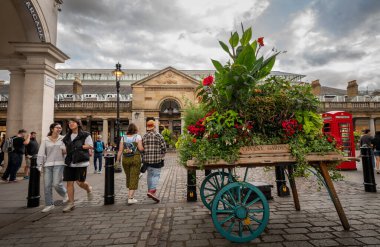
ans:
(212, 185)
(240, 212)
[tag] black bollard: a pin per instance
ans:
(368, 171)
(207, 172)
(109, 183)
(282, 189)
(34, 184)
(191, 186)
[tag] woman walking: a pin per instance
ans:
(78, 144)
(51, 159)
(130, 148)
(376, 148)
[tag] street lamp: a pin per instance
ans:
(118, 74)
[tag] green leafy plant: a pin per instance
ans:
(242, 106)
(168, 137)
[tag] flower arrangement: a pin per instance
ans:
(242, 106)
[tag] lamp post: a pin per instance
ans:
(118, 74)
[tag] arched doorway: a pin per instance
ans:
(170, 116)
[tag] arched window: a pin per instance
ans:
(170, 107)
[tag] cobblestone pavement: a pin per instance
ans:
(174, 222)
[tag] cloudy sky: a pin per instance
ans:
(334, 41)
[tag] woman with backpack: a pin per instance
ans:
(130, 148)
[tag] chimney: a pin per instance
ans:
(352, 89)
(77, 86)
(316, 87)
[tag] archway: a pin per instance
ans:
(170, 116)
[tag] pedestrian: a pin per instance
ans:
(376, 148)
(154, 154)
(51, 157)
(30, 150)
(366, 139)
(1, 150)
(78, 143)
(129, 149)
(15, 156)
(98, 154)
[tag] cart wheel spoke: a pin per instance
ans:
(240, 229)
(231, 227)
(253, 202)
(260, 210)
(247, 196)
(225, 211)
(226, 219)
(256, 220)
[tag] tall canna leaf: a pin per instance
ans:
(234, 40)
(247, 35)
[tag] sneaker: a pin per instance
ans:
(4, 180)
(132, 201)
(26, 177)
(47, 209)
(153, 196)
(68, 208)
(90, 195)
(12, 181)
(65, 198)
(99, 172)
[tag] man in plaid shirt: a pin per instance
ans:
(153, 157)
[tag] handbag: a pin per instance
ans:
(144, 167)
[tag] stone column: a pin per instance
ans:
(39, 85)
(157, 122)
(139, 121)
(14, 109)
(105, 131)
(372, 126)
(182, 123)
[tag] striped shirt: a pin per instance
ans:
(154, 147)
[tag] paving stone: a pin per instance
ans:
(203, 242)
(369, 240)
(320, 235)
(297, 244)
(349, 241)
(324, 242)
(182, 237)
(295, 237)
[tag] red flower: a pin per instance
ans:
(215, 136)
(260, 41)
(208, 81)
(290, 127)
(194, 140)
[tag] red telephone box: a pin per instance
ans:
(339, 125)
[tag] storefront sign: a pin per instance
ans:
(36, 19)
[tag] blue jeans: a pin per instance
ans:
(53, 177)
(98, 156)
(153, 177)
(14, 163)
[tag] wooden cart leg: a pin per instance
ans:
(292, 183)
(334, 197)
(191, 186)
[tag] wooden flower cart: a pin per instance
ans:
(239, 210)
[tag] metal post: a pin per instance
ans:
(368, 171)
(191, 186)
(118, 68)
(34, 184)
(282, 189)
(109, 183)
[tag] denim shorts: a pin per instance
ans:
(376, 152)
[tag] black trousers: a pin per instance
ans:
(14, 163)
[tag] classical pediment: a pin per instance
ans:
(168, 77)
